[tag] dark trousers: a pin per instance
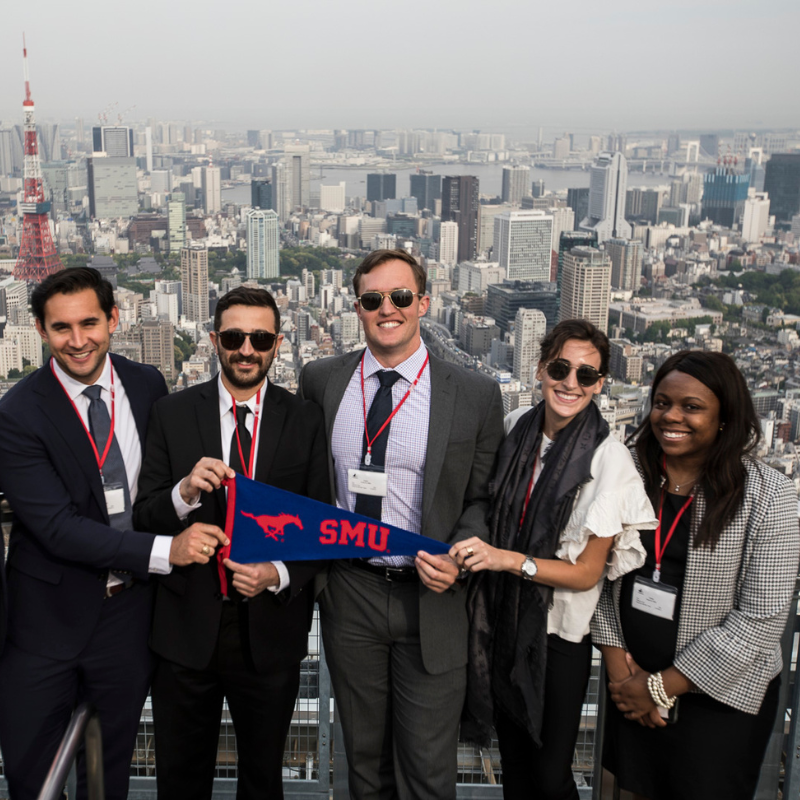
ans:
(39, 694)
(546, 773)
(400, 723)
(187, 708)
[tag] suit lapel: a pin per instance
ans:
(443, 403)
(140, 407)
(56, 405)
(208, 423)
(270, 425)
(335, 388)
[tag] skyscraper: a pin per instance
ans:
(724, 195)
(298, 166)
(523, 244)
(427, 189)
(460, 200)
(116, 141)
(755, 218)
(782, 184)
(261, 193)
(176, 222)
(158, 346)
(262, 243)
(211, 190)
(194, 283)
(586, 286)
(530, 327)
(607, 194)
(113, 190)
(448, 243)
(381, 186)
(626, 263)
(515, 184)
(281, 194)
(578, 201)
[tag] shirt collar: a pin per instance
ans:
(75, 388)
(408, 369)
(226, 402)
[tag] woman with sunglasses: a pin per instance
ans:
(691, 640)
(567, 504)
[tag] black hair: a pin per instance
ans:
(72, 281)
(247, 296)
(580, 329)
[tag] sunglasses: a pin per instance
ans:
(401, 298)
(260, 340)
(560, 368)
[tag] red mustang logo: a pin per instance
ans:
(274, 526)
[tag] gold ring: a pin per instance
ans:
(206, 550)
(470, 551)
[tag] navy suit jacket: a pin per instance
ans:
(62, 547)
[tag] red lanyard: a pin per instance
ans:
(659, 549)
(529, 492)
(368, 457)
(249, 469)
(100, 459)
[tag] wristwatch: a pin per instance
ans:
(529, 569)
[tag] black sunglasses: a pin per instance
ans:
(233, 340)
(560, 368)
(401, 298)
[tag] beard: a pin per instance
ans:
(228, 366)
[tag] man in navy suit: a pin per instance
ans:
(79, 601)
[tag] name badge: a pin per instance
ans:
(115, 498)
(657, 599)
(362, 481)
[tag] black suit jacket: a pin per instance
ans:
(62, 547)
(292, 455)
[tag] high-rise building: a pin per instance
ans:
(460, 200)
(503, 300)
(523, 244)
(115, 141)
(625, 364)
(161, 181)
(381, 186)
(530, 327)
(211, 190)
(448, 243)
(782, 184)
(607, 194)
(578, 201)
(755, 218)
(113, 190)
(194, 283)
(566, 242)
(158, 346)
(261, 193)
(262, 243)
(332, 198)
(724, 195)
(626, 263)
(537, 189)
(176, 222)
(586, 286)
(298, 167)
(475, 276)
(709, 144)
(427, 189)
(515, 184)
(281, 192)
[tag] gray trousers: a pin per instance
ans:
(400, 724)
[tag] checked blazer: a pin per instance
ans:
(736, 597)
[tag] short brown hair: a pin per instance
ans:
(378, 257)
(580, 329)
(246, 296)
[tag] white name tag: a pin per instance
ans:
(115, 498)
(361, 481)
(657, 599)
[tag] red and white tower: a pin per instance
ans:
(37, 254)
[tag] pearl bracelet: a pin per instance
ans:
(655, 685)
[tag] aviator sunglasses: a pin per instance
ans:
(401, 298)
(260, 340)
(559, 369)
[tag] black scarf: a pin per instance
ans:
(508, 632)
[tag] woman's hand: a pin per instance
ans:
(633, 699)
(474, 555)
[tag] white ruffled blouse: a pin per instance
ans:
(613, 503)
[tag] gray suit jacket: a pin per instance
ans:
(464, 434)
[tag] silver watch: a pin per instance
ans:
(529, 569)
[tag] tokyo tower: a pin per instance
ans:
(37, 254)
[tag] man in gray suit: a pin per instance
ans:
(423, 435)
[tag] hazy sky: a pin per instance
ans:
(581, 65)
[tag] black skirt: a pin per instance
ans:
(712, 752)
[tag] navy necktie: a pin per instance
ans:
(114, 466)
(379, 412)
(236, 465)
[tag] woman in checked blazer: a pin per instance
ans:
(691, 639)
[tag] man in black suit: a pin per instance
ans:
(246, 646)
(71, 437)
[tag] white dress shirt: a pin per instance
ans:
(227, 424)
(127, 437)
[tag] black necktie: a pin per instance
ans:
(114, 466)
(246, 441)
(379, 412)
